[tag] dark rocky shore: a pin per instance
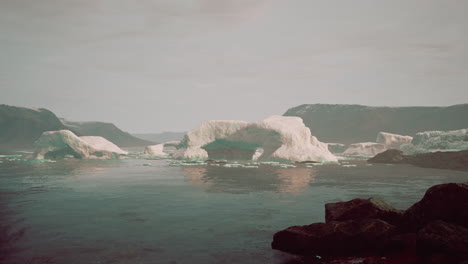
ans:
(432, 231)
(454, 160)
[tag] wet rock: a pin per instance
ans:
(391, 156)
(347, 238)
(451, 160)
(362, 209)
(447, 241)
(447, 202)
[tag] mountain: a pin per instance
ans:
(108, 131)
(162, 137)
(359, 123)
(21, 126)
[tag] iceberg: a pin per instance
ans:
(58, 144)
(431, 141)
(156, 150)
(365, 149)
(383, 142)
(280, 137)
(392, 141)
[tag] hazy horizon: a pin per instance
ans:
(158, 65)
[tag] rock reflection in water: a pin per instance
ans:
(245, 180)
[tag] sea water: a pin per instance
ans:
(147, 211)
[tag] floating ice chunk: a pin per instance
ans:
(392, 141)
(431, 141)
(58, 144)
(365, 149)
(280, 137)
(155, 150)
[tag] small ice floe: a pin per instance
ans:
(233, 165)
(349, 165)
(287, 166)
(251, 167)
(270, 163)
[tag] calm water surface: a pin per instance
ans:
(124, 212)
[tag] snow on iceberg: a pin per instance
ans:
(431, 141)
(280, 137)
(58, 144)
(392, 141)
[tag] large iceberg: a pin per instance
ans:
(392, 141)
(431, 141)
(58, 144)
(281, 138)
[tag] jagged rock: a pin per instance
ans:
(362, 209)
(391, 156)
(347, 238)
(447, 202)
(445, 239)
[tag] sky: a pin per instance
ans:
(169, 65)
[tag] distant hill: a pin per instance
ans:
(108, 131)
(21, 126)
(162, 137)
(358, 123)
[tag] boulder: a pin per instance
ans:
(346, 238)
(447, 202)
(362, 209)
(391, 156)
(442, 238)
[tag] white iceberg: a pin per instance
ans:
(58, 144)
(156, 150)
(280, 137)
(392, 141)
(365, 149)
(431, 141)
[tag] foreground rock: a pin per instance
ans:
(434, 230)
(447, 202)
(352, 237)
(58, 144)
(440, 237)
(456, 160)
(362, 209)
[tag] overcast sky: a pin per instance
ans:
(168, 65)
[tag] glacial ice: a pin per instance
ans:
(58, 144)
(280, 137)
(431, 141)
(156, 150)
(365, 149)
(392, 141)
(383, 142)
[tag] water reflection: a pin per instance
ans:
(244, 180)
